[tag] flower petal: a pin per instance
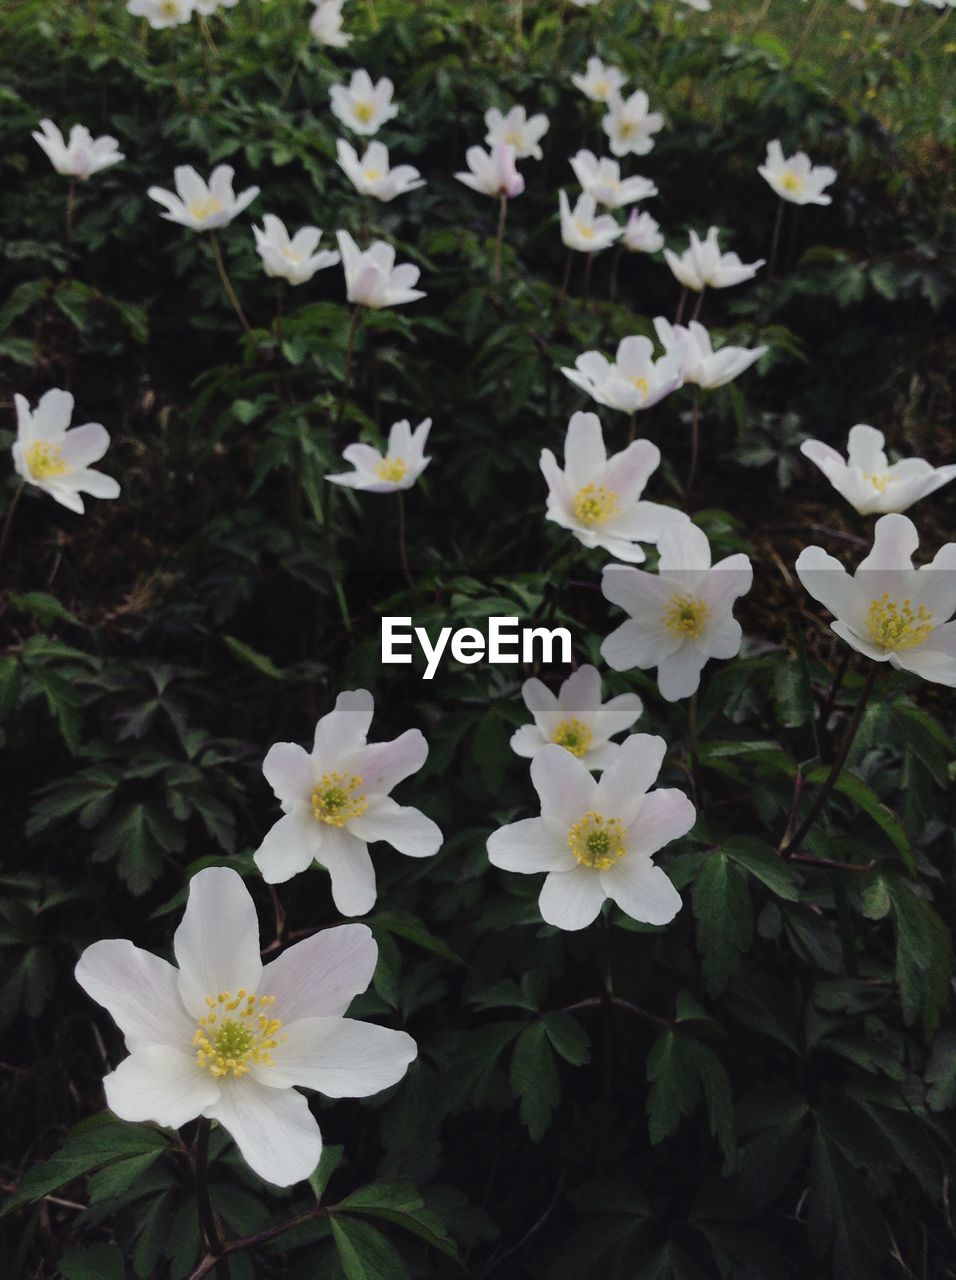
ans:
(339, 1057)
(288, 771)
(562, 782)
(289, 847)
(217, 942)
(164, 1084)
(383, 765)
(138, 990)
(274, 1129)
(624, 784)
(642, 890)
(571, 899)
(533, 844)
(321, 976)
(403, 827)
(346, 858)
(346, 726)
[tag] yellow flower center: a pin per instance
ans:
(364, 111)
(573, 736)
(169, 8)
(392, 469)
(514, 139)
(600, 88)
(627, 129)
(584, 230)
(236, 1033)
(290, 254)
(594, 505)
(334, 800)
(372, 175)
(203, 209)
(642, 385)
(685, 617)
(896, 627)
(45, 460)
(596, 841)
(879, 481)
(792, 182)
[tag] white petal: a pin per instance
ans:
(347, 861)
(533, 844)
(383, 765)
(641, 890)
(138, 990)
(217, 942)
(678, 675)
(582, 690)
(288, 771)
(664, 815)
(623, 786)
(571, 899)
(274, 1129)
(346, 727)
(527, 741)
(164, 1084)
(321, 976)
(289, 847)
(339, 1057)
(403, 827)
(562, 782)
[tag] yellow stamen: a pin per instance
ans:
(792, 182)
(334, 800)
(514, 139)
(642, 385)
(626, 129)
(896, 627)
(685, 617)
(879, 481)
(392, 469)
(573, 736)
(169, 8)
(600, 88)
(290, 254)
(372, 175)
(596, 841)
(237, 1033)
(203, 209)
(45, 460)
(595, 505)
(584, 230)
(364, 111)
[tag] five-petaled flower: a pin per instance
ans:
(601, 178)
(796, 179)
(199, 205)
(326, 24)
(598, 498)
(335, 800)
(517, 129)
(56, 459)
(868, 481)
(630, 125)
(633, 380)
(699, 363)
(371, 277)
(596, 838)
(702, 265)
(362, 106)
(576, 719)
(372, 175)
(293, 258)
(583, 228)
(642, 233)
(492, 173)
(599, 82)
(80, 157)
(398, 468)
(888, 610)
(681, 616)
(224, 1037)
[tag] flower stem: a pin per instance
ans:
(694, 444)
(403, 548)
(349, 353)
(698, 305)
(791, 843)
(682, 303)
(68, 236)
(231, 293)
(499, 239)
(566, 282)
(207, 1217)
(8, 522)
(587, 276)
(693, 742)
(615, 263)
(775, 243)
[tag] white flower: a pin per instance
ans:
(83, 155)
(601, 178)
(703, 266)
(634, 381)
(699, 363)
(599, 498)
(584, 4)
(398, 468)
(702, 6)
(200, 206)
(55, 459)
(294, 259)
(599, 82)
(326, 24)
(363, 107)
(582, 228)
(162, 13)
(871, 484)
(517, 129)
(372, 175)
(596, 838)
(888, 610)
(629, 124)
(336, 800)
(372, 278)
(576, 719)
(493, 173)
(223, 1037)
(207, 7)
(796, 179)
(679, 617)
(642, 233)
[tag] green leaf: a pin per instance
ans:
(534, 1079)
(399, 1202)
(11, 680)
(98, 1262)
(252, 658)
(46, 609)
(675, 1084)
(404, 925)
(364, 1253)
(568, 1037)
(863, 796)
(764, 863)
(722, 910)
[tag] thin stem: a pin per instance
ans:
(694, 444)
(349, 352)
(812, 20)
(682, 303)
(403, 548)
(207, 1217)
(8, 522)
(693, 742)
(587, 276)
(566, 282)
(231, 293)
(68, 236)
(832, 777)
(251, 1242)
(499, 238)
(595, 1002)
(775, 243)
(698, 305)
(615, 263)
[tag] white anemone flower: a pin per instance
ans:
(48, 454)
(296, 258)
(583, 229)
(601, 178)
(335, 800)
(517, 129)
(702, 265)
(325, 24)
(633, 381)
(642, 233)
(224, 1037)
(584, 4)
(208, 7)
(80, 157)
(796, 179)
(398, 468)
(362, 106)
(869, 482)
(596, 838)
(161, 14)
(371, 277)
(576, 719)
(680, 617)
(699, 363)
(372, 175)
(598, 498)
(199, 205)
(629, 124)
(599, 82)
(888, 610)
(702, 6)
(492, 173)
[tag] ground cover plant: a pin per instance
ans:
(628, 318)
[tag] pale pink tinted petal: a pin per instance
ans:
(405, 828)
(584, 452)
(663, 816)
(346, 727)
(138, 990)
(571, 899)
(385, 764)
(641, 890)
(289, 847)
(582, 690)
(339, 1057)
(217, 942)
(350, 868)
(562, 782)
(274, 1129)
(164, 1084)
(321, 976)
(621, 789)
(83, 445)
